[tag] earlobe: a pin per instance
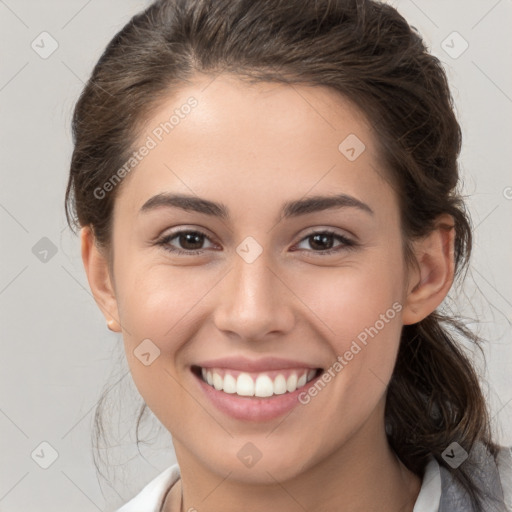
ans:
(100, 282)
(431, 280)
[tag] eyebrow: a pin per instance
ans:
(289, 209)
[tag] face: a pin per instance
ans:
(263, 294)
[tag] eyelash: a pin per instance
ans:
(347, 244)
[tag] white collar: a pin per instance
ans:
(430, 492)
(152, 496)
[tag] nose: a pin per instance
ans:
(253, 300)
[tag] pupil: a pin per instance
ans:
(323, 239)
(189, 239)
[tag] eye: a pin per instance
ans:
(188, 239)
(323, 240)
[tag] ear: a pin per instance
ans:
(432, 277)
(100, 282)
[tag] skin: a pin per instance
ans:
(253, 147)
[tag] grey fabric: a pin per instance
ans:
(486, 474)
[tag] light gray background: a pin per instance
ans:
(57, 354)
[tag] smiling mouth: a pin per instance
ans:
(256, 384)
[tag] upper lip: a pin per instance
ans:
(255, 365)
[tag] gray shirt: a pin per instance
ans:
(494, 477)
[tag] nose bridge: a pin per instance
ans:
(252, 302)
(252, 284)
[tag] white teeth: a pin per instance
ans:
(218, 381)
(244, 385)
(229, 384)
(291, 383)
(279, 385)
(263, 386)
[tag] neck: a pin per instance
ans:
(363, 474)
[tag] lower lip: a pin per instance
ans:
(253, 408)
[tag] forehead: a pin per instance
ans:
(227, 103)
(216, 135)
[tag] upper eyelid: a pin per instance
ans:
(179, 231)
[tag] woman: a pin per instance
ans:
(267, 197)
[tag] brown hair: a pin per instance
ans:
(367, 52)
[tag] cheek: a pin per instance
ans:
(358, 310)
(350, 299)
(153, 305)
(157, 300)
(159, 310)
